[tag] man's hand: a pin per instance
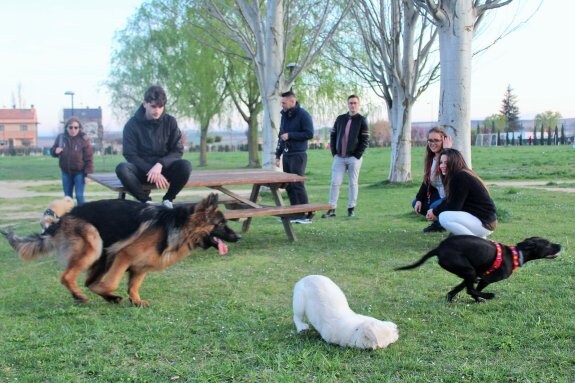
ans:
(155, 176)
(58, 150)
(284, 136)
(277, 162)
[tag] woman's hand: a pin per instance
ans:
(417, 207)
(430, 216)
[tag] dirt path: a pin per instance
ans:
(20, 189)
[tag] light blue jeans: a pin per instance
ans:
(338, 168)
(71, 182)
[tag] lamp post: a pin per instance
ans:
(71, 94)
(291, 67)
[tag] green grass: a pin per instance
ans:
(228, 319)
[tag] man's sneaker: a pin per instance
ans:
(435, 227)
(301, 220)
(329, 214)
(150, 202)
(167, 203)
(351, 212)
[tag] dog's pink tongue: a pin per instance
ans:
(222, 247)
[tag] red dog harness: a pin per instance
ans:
(499, 259)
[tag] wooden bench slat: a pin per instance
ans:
(275, 210)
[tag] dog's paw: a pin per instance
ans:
(113, 298)
(140, 303)
(302, 328)
(487, 295)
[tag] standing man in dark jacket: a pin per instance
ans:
(348, 140)
(153, 148)
(296, 129)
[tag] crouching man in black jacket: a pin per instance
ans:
(153, 148)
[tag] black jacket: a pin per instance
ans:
(466, 193)
(358, 138)
(298, 124)
(147, 142)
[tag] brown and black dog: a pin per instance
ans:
(482, 261)
(110, 237)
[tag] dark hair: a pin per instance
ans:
(352, 96)
(156, 94)
(76, 120)
(429, 155)
(455, 164)
(289, 93)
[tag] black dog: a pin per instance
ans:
(481, 261)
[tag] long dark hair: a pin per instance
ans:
(455, 164)
(429, 155)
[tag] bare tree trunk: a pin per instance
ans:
(204, 144)
(455, 36)
(400, 118)
(457, 21)
(253, 144)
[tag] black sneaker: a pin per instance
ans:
(351, 212)
(330, 214)
(435, 227)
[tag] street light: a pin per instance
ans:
(71, 94)
(291, 67)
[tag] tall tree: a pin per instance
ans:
(457, 21)
(394, 58)
(266, 31)
(548, 119)
(510, 110)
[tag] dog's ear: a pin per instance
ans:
(529, 243)
(211, 201)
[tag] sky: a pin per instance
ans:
(51, 47)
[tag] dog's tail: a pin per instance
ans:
(30, 247)
(430, 254)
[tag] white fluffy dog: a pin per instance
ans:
(322, 302)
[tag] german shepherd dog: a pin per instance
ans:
(107, 238)
(482, 261)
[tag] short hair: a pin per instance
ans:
(156, 94)
(289, 93)
(352, 96)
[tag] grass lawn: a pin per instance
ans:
(228, 319)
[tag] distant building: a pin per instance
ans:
(91, 119)
(18, 128)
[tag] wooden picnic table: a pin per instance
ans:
(221, 180)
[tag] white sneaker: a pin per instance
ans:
(167, 203)
(301, 220)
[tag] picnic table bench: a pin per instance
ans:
(239, 206)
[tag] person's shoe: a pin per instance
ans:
(435, 227)
(351, 212)
(167, 203)
(149, 202)
(329, 214)
(301, 220)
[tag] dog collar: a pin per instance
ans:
(517, 259)
(498, 259)
(50, 213)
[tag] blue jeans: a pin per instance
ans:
(71, 182)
